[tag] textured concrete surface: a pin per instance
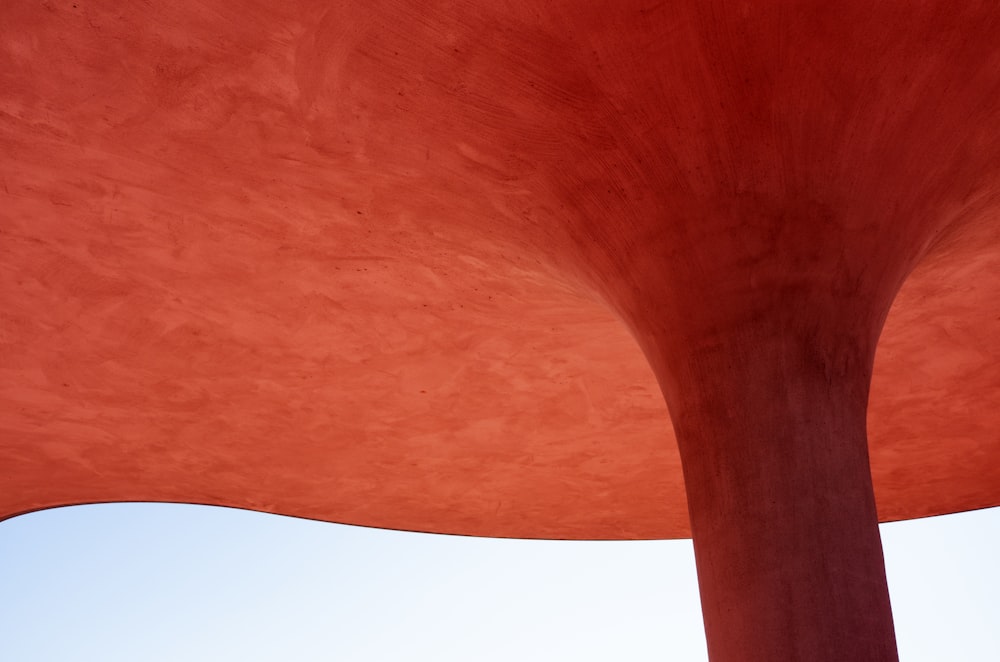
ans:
(324, 259)
(430, 266)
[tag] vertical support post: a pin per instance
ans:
(771, 428)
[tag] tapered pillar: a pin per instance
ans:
(770, 420)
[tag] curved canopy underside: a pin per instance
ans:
(331, 259)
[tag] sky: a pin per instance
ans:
(159, 582)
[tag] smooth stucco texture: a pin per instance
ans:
(384, 262)
(367, 262)
(446, 266)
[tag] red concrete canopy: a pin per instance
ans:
(414, 264)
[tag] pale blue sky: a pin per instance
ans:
(156, 582)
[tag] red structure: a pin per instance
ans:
(420, 265)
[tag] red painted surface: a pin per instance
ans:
(387, 263)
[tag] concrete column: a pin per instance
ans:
(771, 427)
